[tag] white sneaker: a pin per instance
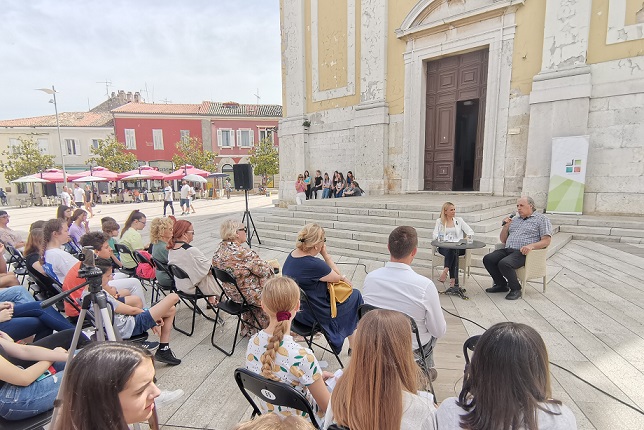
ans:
(167, 397)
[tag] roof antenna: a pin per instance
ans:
(257, 95)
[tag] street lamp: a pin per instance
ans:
(53, 92)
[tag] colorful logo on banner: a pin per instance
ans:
(573, 167)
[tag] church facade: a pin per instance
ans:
(464, 95)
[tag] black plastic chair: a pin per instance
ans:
(161, 289)
(273, 392)
(189, 299)
(123, 249)
(34, 423)
(231, 307)
(422, 361)
(468, 346)
(308, 333)
(18, 261)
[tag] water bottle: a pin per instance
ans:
(470, 239)
(441, 233)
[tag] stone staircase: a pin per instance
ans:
(360, 227)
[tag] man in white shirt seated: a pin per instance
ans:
(397, 287)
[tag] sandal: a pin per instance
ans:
(443, 276)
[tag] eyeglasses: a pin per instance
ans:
(325, 239)
(242, 229)
(142, 222)
(190, 231)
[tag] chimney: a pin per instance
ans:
(113, 95)
(121, 97)
(129, 96)
(137, 97)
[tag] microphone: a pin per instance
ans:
(510, 216)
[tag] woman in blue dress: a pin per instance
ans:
(312, 274)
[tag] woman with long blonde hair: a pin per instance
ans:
(379, 387)
(451, 228)
(274, 354)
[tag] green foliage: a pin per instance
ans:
(24, 160)
(265, 158)
(190, 151)
(112, 155)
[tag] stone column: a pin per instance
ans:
(560, 97)
(293, 136)
(371, 121)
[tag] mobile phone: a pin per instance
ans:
(47, 374)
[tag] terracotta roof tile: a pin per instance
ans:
(151, 108)
(67, 119)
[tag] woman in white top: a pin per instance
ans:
(451, 228)
(379, 387)
(192, 261)
(55, 235)
(506, 386)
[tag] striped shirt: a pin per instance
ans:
(525, 231)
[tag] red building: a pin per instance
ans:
(151, 131)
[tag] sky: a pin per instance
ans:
(183, 51)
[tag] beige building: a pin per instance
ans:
(79, 131)
(464, 94)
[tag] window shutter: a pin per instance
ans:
(219, 138)
(251, 137)
(239, 138)
(232, 137)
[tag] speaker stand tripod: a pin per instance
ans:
(249, 221)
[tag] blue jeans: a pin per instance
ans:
(326, 193)
(29, 319)
(16, 295)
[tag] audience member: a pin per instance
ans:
(300, 190)
(353, 190)
(276, 422)
(79, 227)
(350, 178)
(506, 385)
(55, 235)
(65, 213)
(134, 321)
(131, 237)
(192, 261)
(316, 189)
(312, 275)
(307, 182)
(451, 228)
(26, 371)
(37, 224)
(246, 266)
(340, 185)
(8, 235)
(382, 368)
(326, 187)
(521, 234)
(398, 287)
(111, 228)
(65, 198)
(33, 256)
(7, 278)
(274, 354)
(109, 386)
(161, 231)
(21, 321)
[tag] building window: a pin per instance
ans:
(130, 139)
(266, 133)
(73, 147)
(95, 143)
(14, 144)
(245, 138)
(157, 136)
(43, 145)
(225, 138)
(185, 136)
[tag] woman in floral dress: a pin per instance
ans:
(248, 269)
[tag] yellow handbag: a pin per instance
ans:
(339, 292)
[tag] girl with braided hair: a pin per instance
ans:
(274, 354)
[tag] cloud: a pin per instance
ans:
(185, 52)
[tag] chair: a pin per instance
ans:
(422, 361)
(308, 333)
(468, 346)
(18, 261)
(189, 299)
(37, 422)
(142, 259)
(231, 307)
(273, 392)
(127, 198)
(161, 289)
(535, 267)
(124, 249)
(464, 262)
(105, 199)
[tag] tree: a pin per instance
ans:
(265, 159)
(112, 155)
(190, 151)
(25, 159)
